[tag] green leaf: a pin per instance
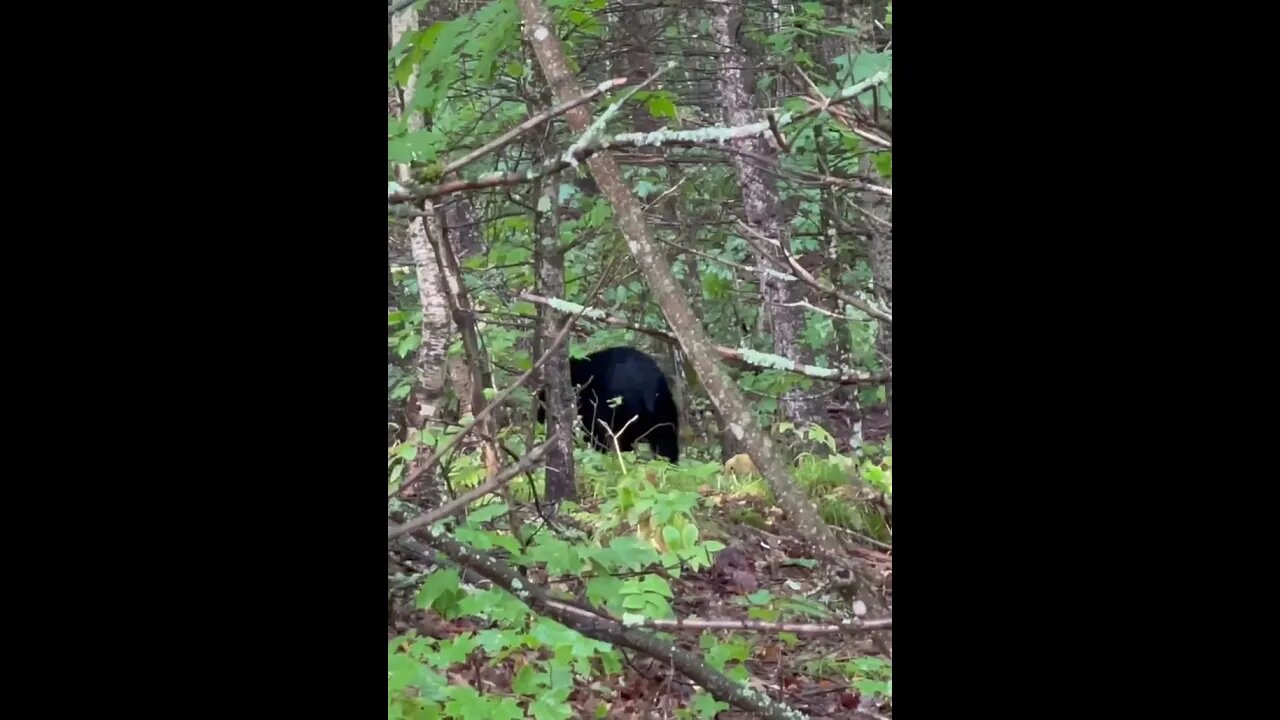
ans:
(439, 584)
(598, 215)
(507, 610)
(662, 106)
(819, 433)
(418, 146)
(465, 702)
(404, 69)
(479, 539)
(529, 681)
(494, 641)
(408, 344)
(503, 708)
(604, 590)
(548, 707)
(868, 64)
(633, 619)
(719, 655)
(486, 513)
(443, 39)
(871, 665)
(561, 673)
(872, 687)
(454, 651)
(654, 584)
(404, 671)
(508, 543)
(690, 535)
(492, 40)
(561, 557)
(707, 706)
(671, 536)
(884, 164)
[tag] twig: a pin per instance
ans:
(752, 269)
(515, 132)
(813, 87)
(665, 193)
(462, 501)
(614, 437)
(810, 280)
(595, 128)
(825, 104)
(843, 96)
(777, 132)
(868, 540)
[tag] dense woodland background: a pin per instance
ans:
(710, 182)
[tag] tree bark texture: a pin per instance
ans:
(559, 398)
(763, 209)
(430, 370)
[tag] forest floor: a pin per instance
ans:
(822, 674)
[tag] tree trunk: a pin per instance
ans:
(430, 364)
(560, 407)
(763, 210)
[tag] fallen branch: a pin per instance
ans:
(851, 625)
(600, 628)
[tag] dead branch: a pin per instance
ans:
(850, 626)
(808, 278)
(530, 124)
(742, 357)
(462, 501)
(601, 628)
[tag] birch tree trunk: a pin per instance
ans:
(430, 365)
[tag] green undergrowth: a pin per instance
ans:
(646, 524)
(848, 489)
(637, 529)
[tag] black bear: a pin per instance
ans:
(634, 377)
